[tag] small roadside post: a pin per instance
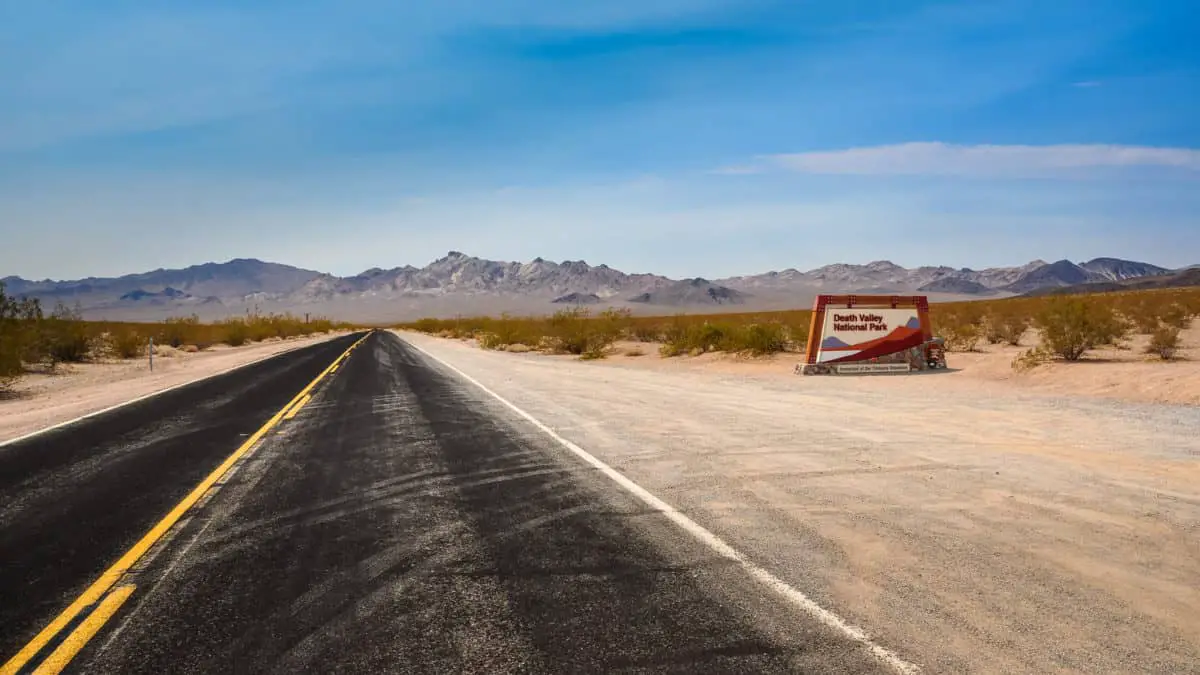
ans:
(150, 351)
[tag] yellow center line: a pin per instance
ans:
(79, 637)
(109, 578)
(296, 408)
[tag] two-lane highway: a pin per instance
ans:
(74, 499)
(399, 520)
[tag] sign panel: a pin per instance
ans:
(853, 334)
(853, 368)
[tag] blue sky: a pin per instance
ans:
(701, 137)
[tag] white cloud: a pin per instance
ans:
(984, 160)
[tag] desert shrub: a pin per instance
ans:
(1071, 326)
(178, 330)
(961, 336)
(710, 337)
(491, 341)
(1031, 358)
(674, 338)
(499, 333)
(1175, 315)
(1164, 342)
(689, 338)
(797, 333)
(761, 339)
(961, 325)
(575, 331)
(645, 332)
(1144, 319)
(234, 332)
(429, 326)
(66, 337)
(1005, 326)
(18, 335)
(569, 331)
(126, 343)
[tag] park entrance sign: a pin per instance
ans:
(871, 334)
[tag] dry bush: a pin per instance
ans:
(177, 330)
(234, 332)
(1005, 325)
(760, 339)
(635, 351)
(1164, 342)
(962, 324)
(575, 331)
(1176, 315)
(685, 338)
(797, 332)
(1071, 326)
(66, 337)
(645, 332)
(491, 341)
(18, 335)
(507, 330)
(126, 343)
(429, 326)
(1031, 358)
(962, 337)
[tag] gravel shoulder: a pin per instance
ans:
(967, 524)
(40, 400)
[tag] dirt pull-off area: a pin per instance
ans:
(41, 399)
(967, 522)
(1126, 374)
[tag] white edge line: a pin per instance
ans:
(152, 394)
(709, 539)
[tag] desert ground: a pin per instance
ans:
(1124, 373)
(976, 520)
(44, 398)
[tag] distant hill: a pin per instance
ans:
(577, 299)
(235, 279)
(460, 284)
(1115, 269)
(1065, 273)
(1189, 277)
(690, 292)
(956, 285)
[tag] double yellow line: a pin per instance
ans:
(98, 598)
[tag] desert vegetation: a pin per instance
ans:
(1064, 327)
(32, 338)
(592, 335)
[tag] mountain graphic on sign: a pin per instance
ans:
(832, 342)
(896, 341)
(914, 323)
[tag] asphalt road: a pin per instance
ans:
(401, 521)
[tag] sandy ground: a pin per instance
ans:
(39, 400)
(970, 521)
(1126, 374)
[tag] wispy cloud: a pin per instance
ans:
(945, 159)
(1087, 84)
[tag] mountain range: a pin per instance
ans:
(461, 284)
